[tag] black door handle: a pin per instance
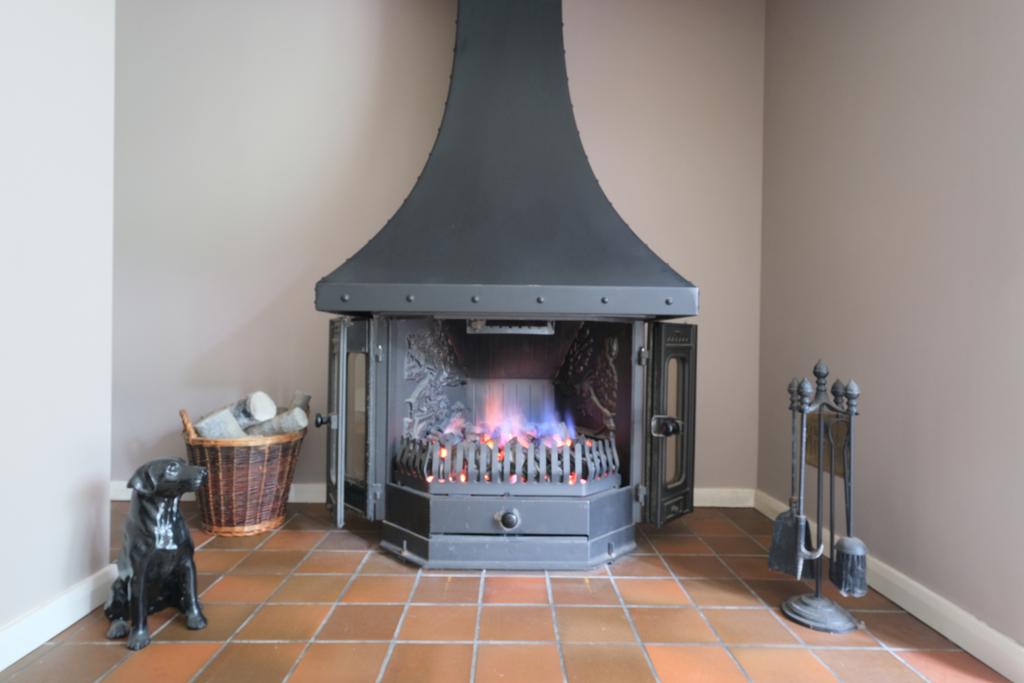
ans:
(665, 425)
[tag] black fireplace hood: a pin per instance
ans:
(507, 217)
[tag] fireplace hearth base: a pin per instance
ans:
(554, 533)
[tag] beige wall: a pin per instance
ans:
(668, 100)
(260, 143)
(892, 247)
(56, 222)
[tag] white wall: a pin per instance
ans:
(260, 143)
(56, 218)
(892, 247)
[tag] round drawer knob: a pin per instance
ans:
(509, 519)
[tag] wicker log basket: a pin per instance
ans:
(246, 490)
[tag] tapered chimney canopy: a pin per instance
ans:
(507, 217)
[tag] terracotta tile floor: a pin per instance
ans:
(310, 603)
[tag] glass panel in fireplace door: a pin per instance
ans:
(348, 417)
(356, 385)
(669, 466)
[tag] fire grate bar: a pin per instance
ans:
(432, 462)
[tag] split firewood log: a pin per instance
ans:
(254, 408)
(301, 399)
(292, 420)
(220, 424)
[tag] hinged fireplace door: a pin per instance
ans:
(352, 479)
(670, 425)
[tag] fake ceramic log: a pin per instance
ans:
(292, 420)
(221, 424)
(301, 399)
(254, 408)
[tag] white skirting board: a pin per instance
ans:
(315, 493)
(996, 649)
(723, 498)
(27, 632)
(300, 493)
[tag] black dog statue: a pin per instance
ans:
(155, 568)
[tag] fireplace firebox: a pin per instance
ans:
(510, 444)
(504, 391)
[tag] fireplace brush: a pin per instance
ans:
(848, 566)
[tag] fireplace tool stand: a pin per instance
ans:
(835, 428)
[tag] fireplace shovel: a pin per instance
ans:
(788, 550)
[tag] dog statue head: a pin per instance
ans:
(167, 478)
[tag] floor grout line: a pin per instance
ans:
(401, 641)
(634, 629)
(554, 628)
(327, 617)
(106, 673)
(699, 608)
(782, 621)
(907, 664)
(398, 628)
(476, 628)
(257, 610)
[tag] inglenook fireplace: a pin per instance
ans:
(502, 393)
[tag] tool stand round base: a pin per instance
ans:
(819, 613)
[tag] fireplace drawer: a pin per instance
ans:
(530, 516)
(534, 516)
